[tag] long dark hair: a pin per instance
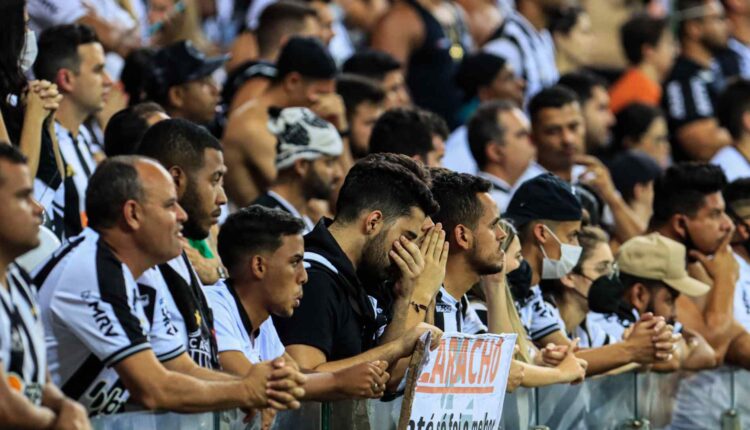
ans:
(13, 23)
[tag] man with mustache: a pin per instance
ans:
(195, 162)
(307, 160)
(382, 213)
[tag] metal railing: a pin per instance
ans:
(716, 399)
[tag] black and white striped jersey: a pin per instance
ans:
(453, 315)
(22, 352)
(94, 317)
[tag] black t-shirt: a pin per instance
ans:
(690, 94)
(335, 315)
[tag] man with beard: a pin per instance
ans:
(689, 208)
(365, 103)
(695, 81)
(381, 214)
(307, 159)
(195, 162)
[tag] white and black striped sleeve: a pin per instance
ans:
(101, 312)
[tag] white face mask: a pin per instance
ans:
(569, 255)
(30, 50)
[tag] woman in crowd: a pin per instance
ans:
(27, 107)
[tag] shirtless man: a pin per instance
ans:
(305, 78)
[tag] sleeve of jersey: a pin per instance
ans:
(228, 337)
(687, 100)
(314, 321)
(102, 318)
(543, 321)
(164, 335)
(472, 323)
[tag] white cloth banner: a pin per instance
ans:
(461, 384)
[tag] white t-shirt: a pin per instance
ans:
(234, 331)
(732, 163)
(742, 293)
(22, 354)
(94, 317)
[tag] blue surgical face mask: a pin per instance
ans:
(569, 255)
(30, 50)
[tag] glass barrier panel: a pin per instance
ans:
(701, 399)
(157, 421)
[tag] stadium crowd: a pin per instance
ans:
(215, 204)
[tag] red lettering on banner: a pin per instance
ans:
(459, 365)
(496, 355)
(439, 369)
(484, 366)
(473, 377)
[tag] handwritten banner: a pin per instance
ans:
(458, 386)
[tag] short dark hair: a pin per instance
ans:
(737, 195)
(137, 73)
(456, 193)
(355, 90)
(391, 183)
(126, 128)
(484, 127)
(113, 183)
(683, 189)
(178, 142)
(254, 229)
(555, 96)
(371, 63)
(582, 83)
(732, 105)
(641, 29)
(401, 131)
(436, 123)
(279, 20)
(563, 20)
(10, 154)
(58, 49)
(633, 121)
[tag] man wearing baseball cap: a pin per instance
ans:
(548, 217)
(307, 160)
(182, 82)
(652, 275)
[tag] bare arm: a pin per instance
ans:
(250, 155)
(185, 365)
(155, 387)
(701, 139)
(250, 90)
(627, 224)
(711, 315)
(4, 137)
(42, 100)
(398, 33)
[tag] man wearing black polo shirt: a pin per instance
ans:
(691, 89)
(382, 210)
